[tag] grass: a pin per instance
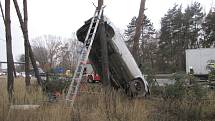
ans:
(112, 106)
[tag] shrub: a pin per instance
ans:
(176, 90)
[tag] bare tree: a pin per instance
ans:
(10, 68)
(51, 51)
(41, 53)
(27, 63)
(139, 25)
(74, 50)
(2, 12)
(25, 34)
(54, 45)
(47, 50)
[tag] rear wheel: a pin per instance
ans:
(90, 79)
(137, 88)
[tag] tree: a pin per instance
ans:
(209, 30)
(21, 67)
(2, 12)
(27, 63)
(147, 38)
(180, 31)
(41, 53)
(147, 41)
(47, 50)
(10, 64)
(3, 17)
(129, 32)
(54, 45)
(171, 42)
(26, 38)
(139, 25)
(192, 21)
(100, 4)
(74, 47)
(51, 51)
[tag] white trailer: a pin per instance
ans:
(198, 60)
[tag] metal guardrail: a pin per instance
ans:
(5, 62)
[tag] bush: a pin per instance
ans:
(181, 89)
(177, 90)
(182, 101)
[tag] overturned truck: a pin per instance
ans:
(124, 71)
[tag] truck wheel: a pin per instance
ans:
(137, 88)
(90, 79)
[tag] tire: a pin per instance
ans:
(137, 88)
(90, 79)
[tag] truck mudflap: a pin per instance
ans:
(123, 68)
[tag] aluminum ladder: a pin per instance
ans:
(82, 60)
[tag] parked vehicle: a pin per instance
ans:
(198, 59)
(90, 73)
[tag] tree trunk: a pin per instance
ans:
(104, 55)
(2, 12)
(25, 34)
(10, 63)
(100, 3)
(139, 25)
(3, 17)
(27, 64)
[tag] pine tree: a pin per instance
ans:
(193, 18)
(129, 33)
(170, 45)
(147, 43)
(180, 31)
(209, 29)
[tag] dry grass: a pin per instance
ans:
(89, 107)
(112, 106)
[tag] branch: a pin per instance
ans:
(2, 12)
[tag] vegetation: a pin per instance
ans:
(98, 108)
(174, 102)
(164, 50)
(158, 52)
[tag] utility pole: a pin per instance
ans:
(25, 34)
(139, 25)
(27, 64)
(10, 68)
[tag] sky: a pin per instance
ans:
(64, 17)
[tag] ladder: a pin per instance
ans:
(82, 60)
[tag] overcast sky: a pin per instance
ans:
(63, 17)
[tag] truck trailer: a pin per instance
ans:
(198, 59)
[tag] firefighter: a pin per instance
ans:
(191, 75)
(211, 75)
